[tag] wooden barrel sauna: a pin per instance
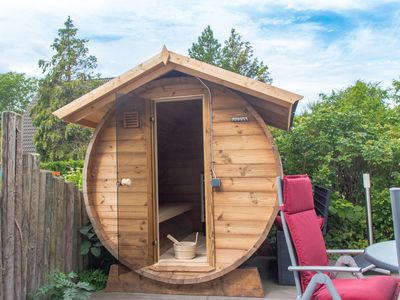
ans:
(164, 139)
(181, 147)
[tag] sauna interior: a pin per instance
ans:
(180, 173)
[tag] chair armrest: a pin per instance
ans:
(325, 269)
(344, 251)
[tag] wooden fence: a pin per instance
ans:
(40, 218)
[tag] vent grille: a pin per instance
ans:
(131, 119)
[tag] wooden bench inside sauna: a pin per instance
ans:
(181, 147)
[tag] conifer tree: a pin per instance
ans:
(207, 48)
(236, 55)
(68, 75)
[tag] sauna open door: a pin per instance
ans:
(134, 197)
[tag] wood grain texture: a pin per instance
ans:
(242, 210)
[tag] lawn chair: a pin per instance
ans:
(314, 278)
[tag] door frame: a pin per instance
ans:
(208, 195)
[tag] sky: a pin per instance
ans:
(310, 46)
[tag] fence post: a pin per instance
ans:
(9, 156)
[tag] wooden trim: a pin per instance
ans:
(278, 162)
(161, 64)
(152, 232)
(101, 102)
(110, 86)
(239, 283)
(208, 193)
(104, 238)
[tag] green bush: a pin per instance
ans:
(74, 176)
(70, 170)
(64, 286)
(347, 133)
(62, 166)
(95, 277)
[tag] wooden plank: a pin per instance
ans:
(239, 283)
(40, 269)
(26, 200)
(242, 142)
(226, 113)
(235, 129)
(233, 80)
(53, 221)
(246, 170)
(239, 227)
(243, 157)
(111, 146)
(33, 224)
(8, 202)
(112, 198)
(128, 159)
(19, 238)
(49, 199)
(79, 224)
(265, 185)
(75, 230)
(167, 211)
(236, 241)
(69, 226)
(109, 87)
(250, 199)
(237, 213)
(59, 224)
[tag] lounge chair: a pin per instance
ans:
(314, 278)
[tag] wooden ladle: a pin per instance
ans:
(175, 241)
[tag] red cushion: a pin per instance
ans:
(278, 222)
(371, 288)
(297, 192)
(308, 242)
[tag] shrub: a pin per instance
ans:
(64, 286)
(62, 166)
(95, 277)
(70, 170)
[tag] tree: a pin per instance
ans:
(16, 91)
(347, 133)
(236, 55)
(68, 75)
(207, 48)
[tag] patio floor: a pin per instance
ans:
(265, 265)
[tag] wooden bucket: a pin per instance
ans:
(187, 250)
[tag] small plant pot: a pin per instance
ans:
(187, 250)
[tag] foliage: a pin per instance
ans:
(207, 48)
(346, 134)
(92, 244)
(68, 75)
(94, 248)
(62, 166)
(70, 170)
(236, 55)
(64, 286)
(95, 277)
(16, 91)
(74, 176)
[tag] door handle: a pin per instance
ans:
(125, 182)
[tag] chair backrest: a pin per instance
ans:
(322, 199)
(302, 224)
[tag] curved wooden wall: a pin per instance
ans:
(246, 160)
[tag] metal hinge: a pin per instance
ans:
(154, 243)
(152, 119)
